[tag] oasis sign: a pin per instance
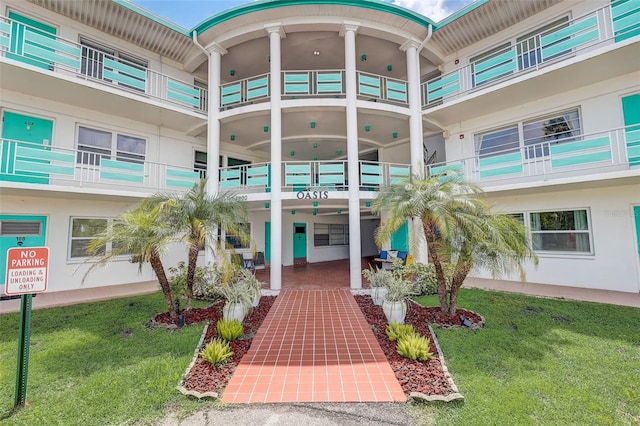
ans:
(313, 195)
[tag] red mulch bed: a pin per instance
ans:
(414, 376)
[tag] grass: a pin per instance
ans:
(541, 362)
(537, 362)
(96, 364)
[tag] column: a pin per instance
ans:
(415, 139)
(355, 263)
(275, 32)
(213, 128)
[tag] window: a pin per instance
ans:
(529, 45)
(537, 135)
(556, 128)
(325, 234)
(93, 62)
(233, 241)
(83, 231)
(200, 163)
(94, 144)
(561, 231)
(498, 142)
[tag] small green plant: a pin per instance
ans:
(251, 281)
(216, 352)
(396, 331)
(229, 330)
(424, 276)
(414, 346)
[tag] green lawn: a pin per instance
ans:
(537, 362)
(96, 364)
(541, 362)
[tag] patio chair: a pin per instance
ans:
(248, 262)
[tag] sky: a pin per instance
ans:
(188, 13)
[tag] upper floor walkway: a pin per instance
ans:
(603, 155)
(565, 40)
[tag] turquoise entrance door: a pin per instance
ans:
(267, 241)
(299, 242)
(23, 33)
(636, 216)
(631, 112)
(400, 238)
(23, 128)
(19, 231)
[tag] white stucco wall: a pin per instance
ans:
(614, 264)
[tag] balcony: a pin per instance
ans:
(569, 54)
(308, 84)
(45, 53)
(29, 163)
(582, 158)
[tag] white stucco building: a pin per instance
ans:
(306, 108)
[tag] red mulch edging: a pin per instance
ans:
(428, 378)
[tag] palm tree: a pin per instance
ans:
(196, 217)
(460, 229)
(141, 234)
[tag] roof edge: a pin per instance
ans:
(259, 5)
(152, 16)
(460, 13)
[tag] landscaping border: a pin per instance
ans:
(196, 353)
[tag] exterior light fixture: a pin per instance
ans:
(292, 153)
(363, 58)
(339, 211)
(315, 145)
(389, 67)
(266, 129)
(367, 128)
(313, 124)
(232, 137)
(315, 158)
(367, 204)
(232, 72)
(339, 152)
(293, 212)
(266, 205)
(316, 53)
(315, 212)
(395, 135)
(315, 204)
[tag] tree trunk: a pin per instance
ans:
(459, 276)
(435, 259)
(156, 264)
(194, 250)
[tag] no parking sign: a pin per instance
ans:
(27, 270)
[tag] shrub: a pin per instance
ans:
(414, 346)
(229, 330)
(396, 331)
(216, 352)
(424, 276)
(203, 286)
(377, 277)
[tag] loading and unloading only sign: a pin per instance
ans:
(27, 270)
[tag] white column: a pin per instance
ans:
(275, 33)
(415, 139)
(355, 263)
(213, 128)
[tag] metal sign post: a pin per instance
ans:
(27, 273)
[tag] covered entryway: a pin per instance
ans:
(299, 243)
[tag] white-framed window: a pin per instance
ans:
(83, 230)
(94, 144)
(330, 234)
(200, 163)
(563, 231)
(534, 135)
(528, 51)
(93, 56)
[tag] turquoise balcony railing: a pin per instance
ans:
(567, 39)
(610, 151)
(32, 163)
(377, 87)
(32, 46)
